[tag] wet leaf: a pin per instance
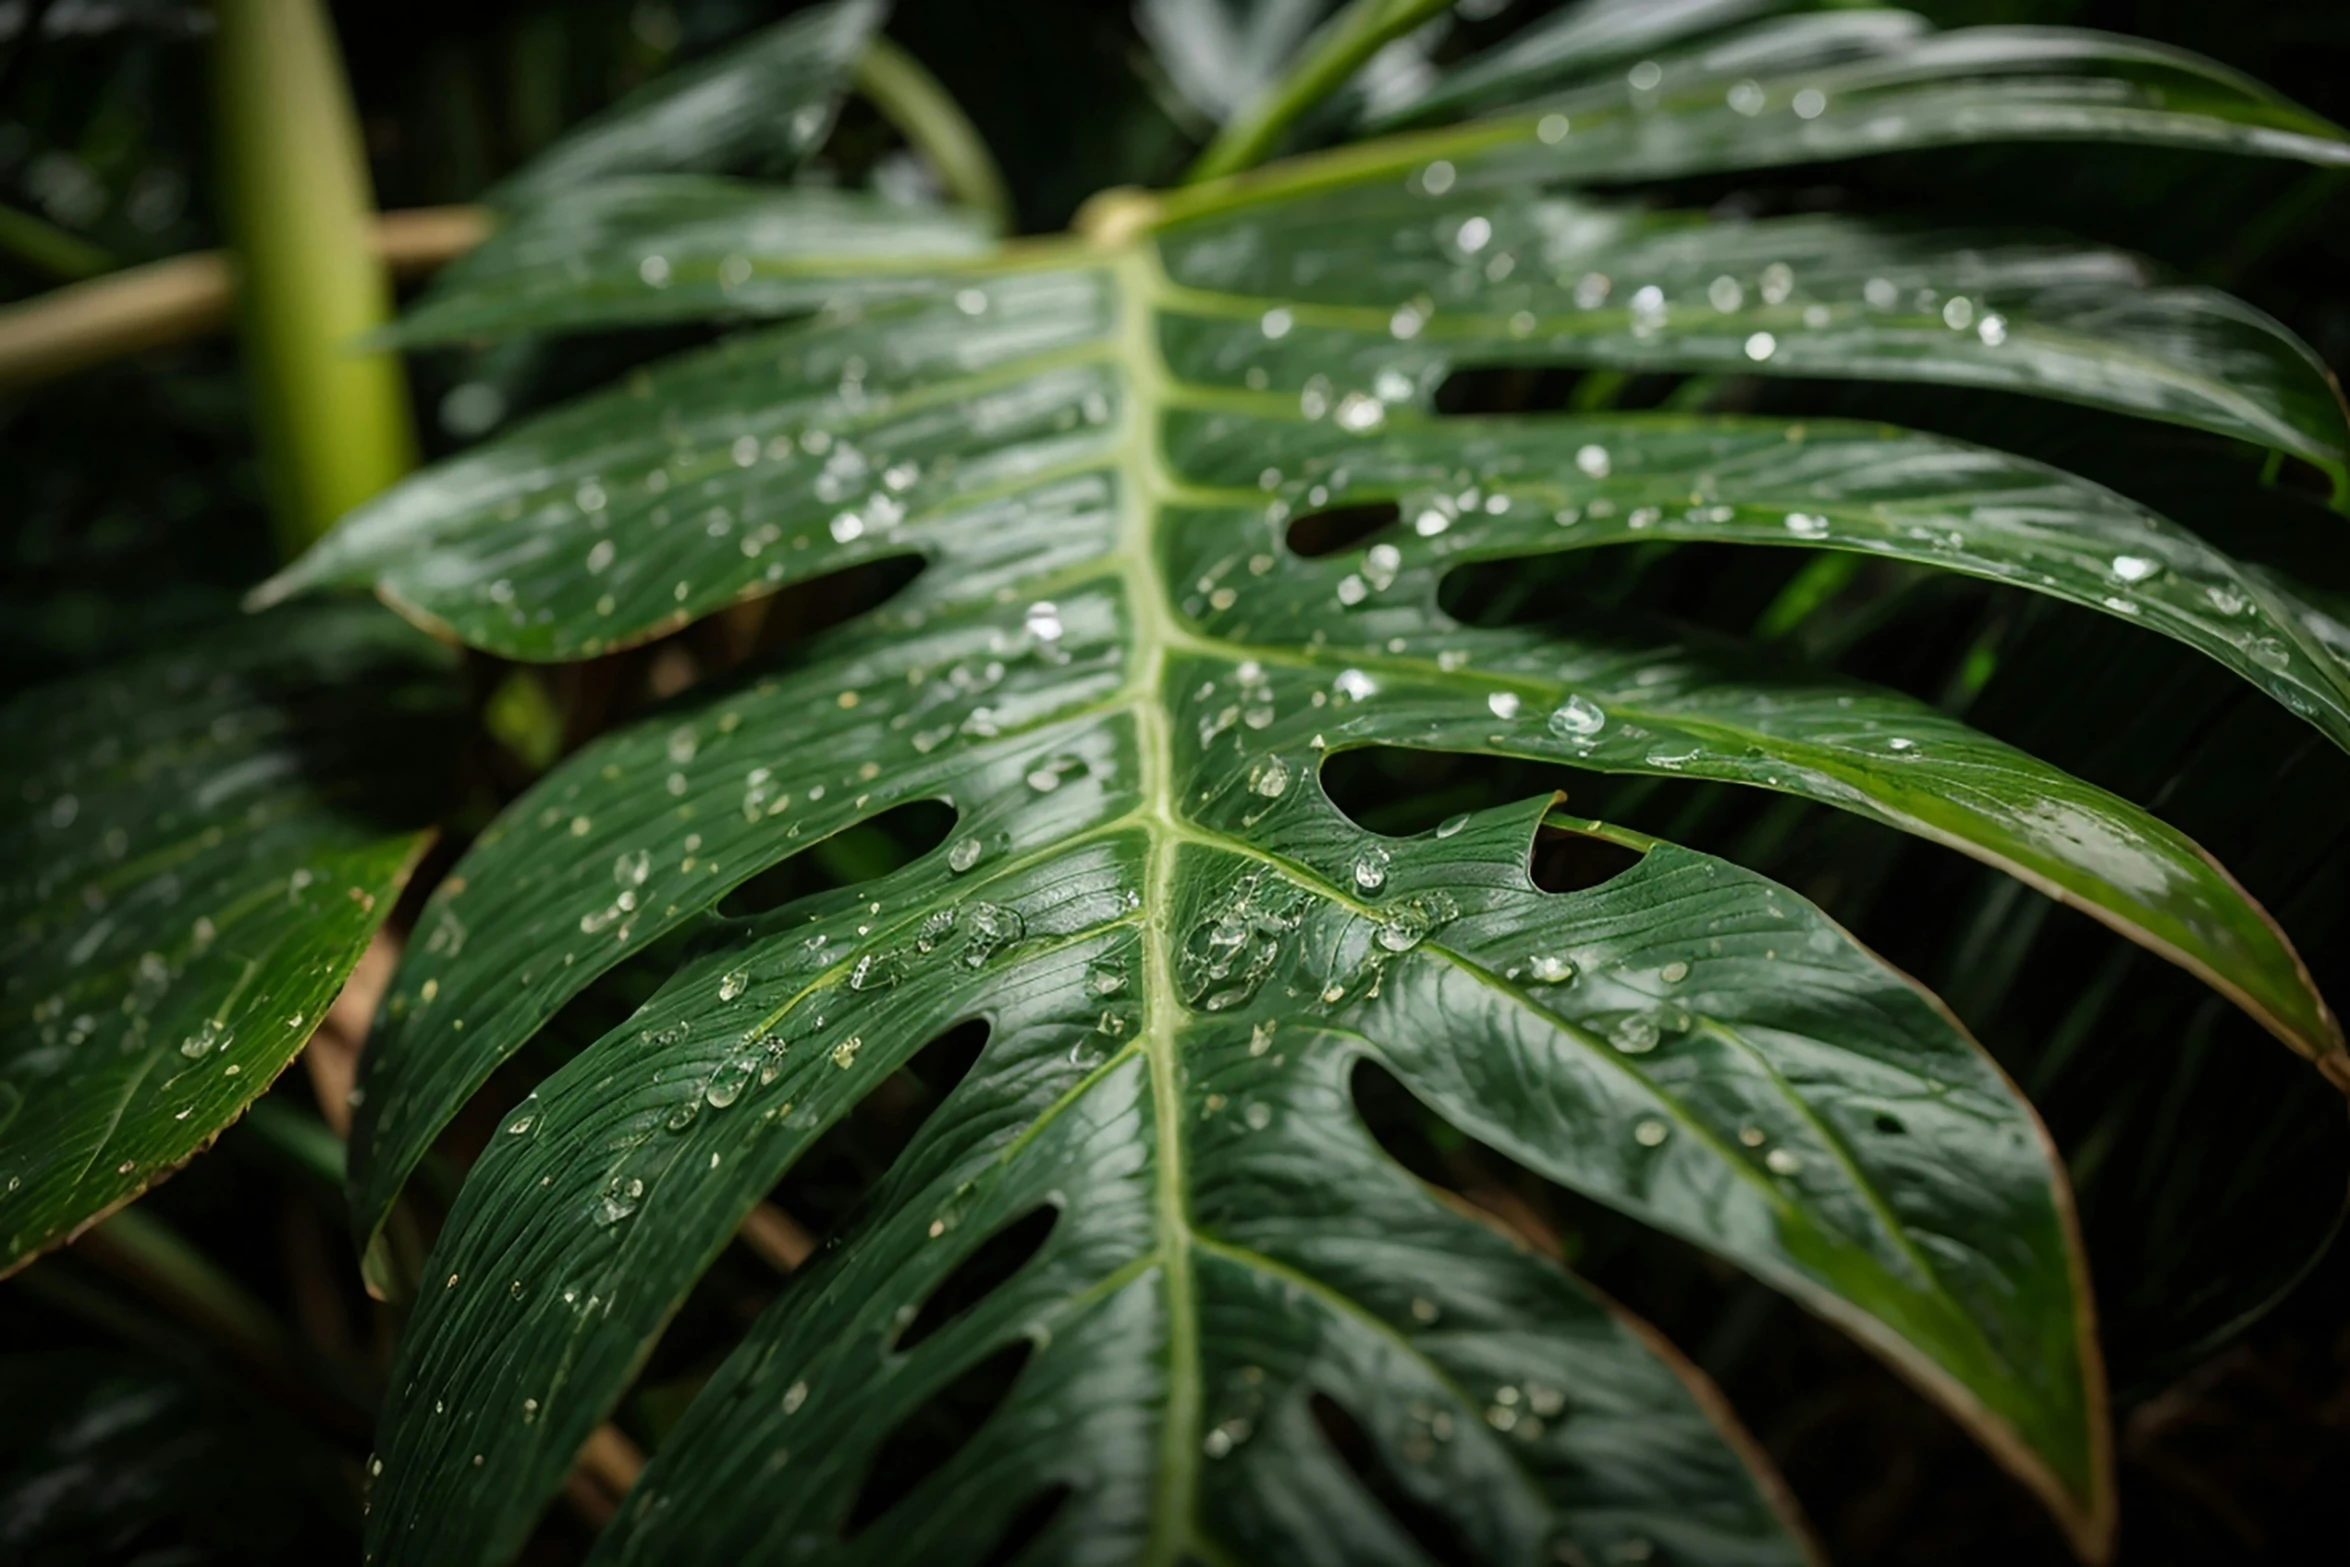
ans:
(1124, 681)
(671, 247)
(199, 845)
(769, 100)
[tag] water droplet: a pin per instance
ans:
(730, 1078)
(733, 984)
(1782, 1162)
(1260, 1039)
(2134, 568)
(1403, 930)
(1452, 824)
(1269, 777)
(992, 928)
(1761, 346)
(844, 1054)
(1809, 104)
(1674, 972)
(1371, 870)
(1503, 704)
(1805, 525)
(1651, 1133)
(208, 1037)
(622, 1195)
(1577, 718)
(1275, 323)
(1635, 1034)
(964, 855)
(1593, 461)
(1550, 969)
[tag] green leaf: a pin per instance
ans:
(200, 844)
(672, 247)
(1091, 683)
(1281, 406)
(1838, 85)
(1123, 681)
(1578, 41)
(769, 99)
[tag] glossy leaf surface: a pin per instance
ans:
(767, 100)
(671, 247)
(1124, 683)
(1122, 679)
(200, 844)
(1839, 83)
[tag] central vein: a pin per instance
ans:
(1144, 485)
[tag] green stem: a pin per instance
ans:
(300, 1139)
(334, 424)
(147, 1253)
(926, 114)
(50, 250)
(1331, 56)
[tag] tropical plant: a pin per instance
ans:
(1192, 513)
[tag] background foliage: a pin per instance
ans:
(2207, 1188)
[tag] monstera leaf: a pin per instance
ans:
(200, 844)
(1228, 1312)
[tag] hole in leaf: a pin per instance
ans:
(823, 1189)
(873, 847)
(1509, 389)
(1027, 1525)
(1511, 1197)
(927, 1439)
(801, 610)
(724, 646)
(1435, 1533)
(1732, 588)
(1566, 860)
(995, 1260)
(1320, 533)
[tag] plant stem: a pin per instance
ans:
(1331, 56)
(171, 301)
(334, 424)
(50, 250)
(926, 114)
(301, 1140)
(146, 1253)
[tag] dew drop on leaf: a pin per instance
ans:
(1577, 718)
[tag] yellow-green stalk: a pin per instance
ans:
(334, 423)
